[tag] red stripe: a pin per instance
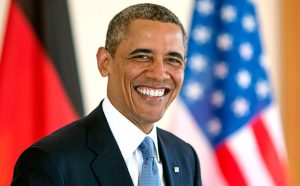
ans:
(33, 101)
(229, 167)
(268, 152)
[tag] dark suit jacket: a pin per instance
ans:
(86, 153)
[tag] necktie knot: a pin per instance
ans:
(147, 148)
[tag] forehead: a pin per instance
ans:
(140, 26)
(154, 34)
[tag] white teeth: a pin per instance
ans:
(151, 92)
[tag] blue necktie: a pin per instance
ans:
(149, 175)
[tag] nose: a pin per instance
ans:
(157, 70)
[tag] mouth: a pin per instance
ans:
(152, 92)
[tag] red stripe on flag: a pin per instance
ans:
(268, 152)
(33, 101)
(229, 166)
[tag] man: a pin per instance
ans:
(144, 60)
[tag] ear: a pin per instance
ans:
(103, 61)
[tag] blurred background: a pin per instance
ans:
(279, 31)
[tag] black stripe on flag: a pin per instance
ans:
(51, 22)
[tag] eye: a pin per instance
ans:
(141, 57)
(174, 61)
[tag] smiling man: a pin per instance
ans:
(119, 143)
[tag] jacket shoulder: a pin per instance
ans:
(171, 138)
(71, 137)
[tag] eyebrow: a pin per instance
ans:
(140, 50)
(176, 54)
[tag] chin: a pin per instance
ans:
(152, 119)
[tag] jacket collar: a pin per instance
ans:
(108, 165)
(171, 163)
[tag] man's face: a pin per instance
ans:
(147, 71)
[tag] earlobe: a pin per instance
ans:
(103, 58)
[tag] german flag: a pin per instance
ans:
(39, 85)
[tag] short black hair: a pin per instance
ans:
(118, 26)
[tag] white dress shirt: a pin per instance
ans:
(129, 137)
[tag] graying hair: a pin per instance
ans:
(118, 26)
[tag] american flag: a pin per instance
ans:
(225, 108)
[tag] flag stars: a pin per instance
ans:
(198, 63)
(240, 107)
(194, 91)
(220, 70)
(214, 126)
(228, 13)
(252, 1)
(201, 34)
(262, 89)
(205, 7)
(249, 23)
(246, 51)
(224, 42)
(243, 79)
(217, 98)
(264, 62)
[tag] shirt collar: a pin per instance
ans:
(127, 135)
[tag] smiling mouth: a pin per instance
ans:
(151, 92)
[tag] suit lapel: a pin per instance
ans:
(108, 165)
(171, 163)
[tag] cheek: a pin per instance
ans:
(135, 71)
(128, 76)
(178, 78)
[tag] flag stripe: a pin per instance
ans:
(273, 126)
(248, 158)
(229, 165)
(268, 152)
